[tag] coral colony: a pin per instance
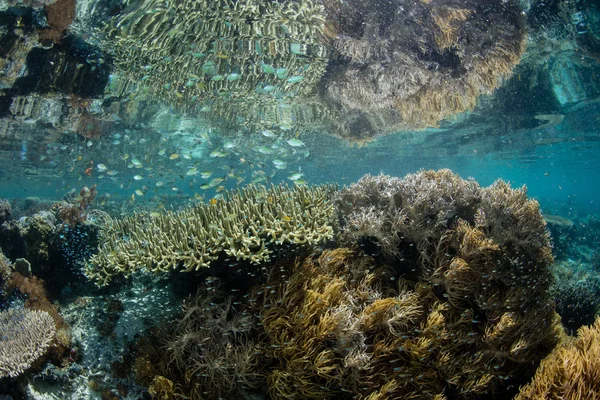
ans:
(191, 259)
(428, 286)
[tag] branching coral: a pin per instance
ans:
(208, 353)
(340, 324)
(242, 225)
(480, 257)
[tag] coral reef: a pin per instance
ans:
(242, 225)
(5, 273)
(56, 244)
(5, 210)
(26, 336)
(576, 291)
(485, 249)
(74, 212)
(571, 371)
(29, 238)
(210, 352)
(414, 63)
(452, 303)
(342, 324)
(420, 207)
(36, 298)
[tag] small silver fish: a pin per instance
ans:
(295, 142)
(268, 133)
(296, 176)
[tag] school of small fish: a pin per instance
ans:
(204, 163)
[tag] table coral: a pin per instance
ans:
(242, 225)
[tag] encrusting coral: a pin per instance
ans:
(571, 371)
(242, 225)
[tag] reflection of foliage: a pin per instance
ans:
(570, 372)
(423, 60)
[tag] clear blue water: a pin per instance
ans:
(143, 103)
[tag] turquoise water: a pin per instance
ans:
(118, 116)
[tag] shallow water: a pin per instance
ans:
(113, 108)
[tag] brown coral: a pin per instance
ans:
(342, 324)
(5, 210)
(571, 371)
(208, 353)
(411, 64)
